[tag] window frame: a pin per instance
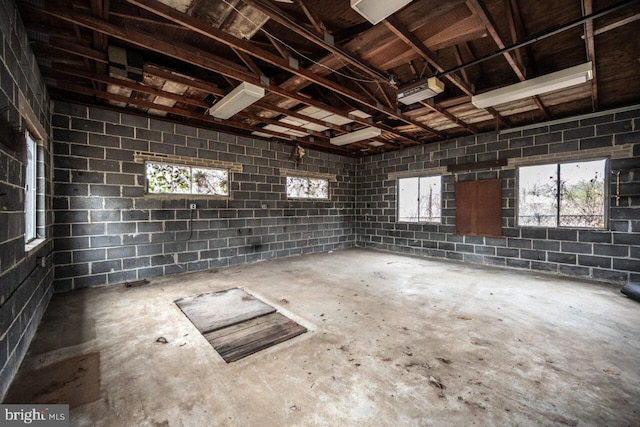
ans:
(308, 178)
(190, 194)
(558, 165)
(31, 189)
(420, 177)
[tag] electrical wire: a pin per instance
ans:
(298, 52)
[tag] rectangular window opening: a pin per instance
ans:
(563, 195)
(166, 178)
(307, 188)
(30, 185)
(420, 199)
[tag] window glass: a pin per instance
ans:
(562, 195)
(538, 196)
(30, 183)
(307, 188)
(582, 195)
(165, 178)
(420, 199)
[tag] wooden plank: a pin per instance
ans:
(213, 311)
(237, 331)
(250, 337)
(479, 208)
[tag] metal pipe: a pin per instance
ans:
(540, 36)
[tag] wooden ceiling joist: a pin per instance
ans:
(202, 28)
(290, 23)
(587, 6)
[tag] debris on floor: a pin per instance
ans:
(436, 382)
(136, 283)
(162, 340)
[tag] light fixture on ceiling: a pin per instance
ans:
(548, 83)
(419, 91)
(359, 135)
(237, 100)
(377, 10)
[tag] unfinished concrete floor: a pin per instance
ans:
(393, 341)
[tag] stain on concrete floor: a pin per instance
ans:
(393, 341)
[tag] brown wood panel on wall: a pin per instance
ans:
(479, 208)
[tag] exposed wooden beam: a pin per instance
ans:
(205, 86)
(513, 30)
(283, 51)
(138, 87)
(412, 41)
(246, 59)
(587, 6)
(616, 24)
(75, 49)
(481, 10)
(107, 96)
(459, 61)
(206, 30)
(140, 20)
(290, 23)
(315, 21)
(201, 59)
(416, 44)
(436, 108)
(157, 43)
(167, 74)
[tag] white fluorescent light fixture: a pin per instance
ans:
(359, 135)
(548, 83)
(377, 10)
(237, 100)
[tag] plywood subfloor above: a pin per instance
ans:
(237, 324)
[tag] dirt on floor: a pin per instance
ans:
(392, 341)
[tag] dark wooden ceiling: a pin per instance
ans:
(322, 54)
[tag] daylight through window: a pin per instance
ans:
(307, 188)
(165, 178)
(562, 195)
(419, 199)
(30, 190)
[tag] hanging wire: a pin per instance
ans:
(298, 52)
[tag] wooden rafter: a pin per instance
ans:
(198, 26)
(313, 18)
(138, 87)
(290, 23)
(412, 41)
(202, 117)
(436, 108)
(202, 59)
(591, 51)
(481, 10)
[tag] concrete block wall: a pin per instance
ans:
(25, 285)
(611, 255)
(108, 231)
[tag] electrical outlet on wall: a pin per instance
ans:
(192, 206)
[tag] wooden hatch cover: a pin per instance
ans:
(236, 323)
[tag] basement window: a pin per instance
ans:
(167, 178)
(420, 199)
(307, 188)
(562, 195)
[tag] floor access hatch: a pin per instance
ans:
(236, 323)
